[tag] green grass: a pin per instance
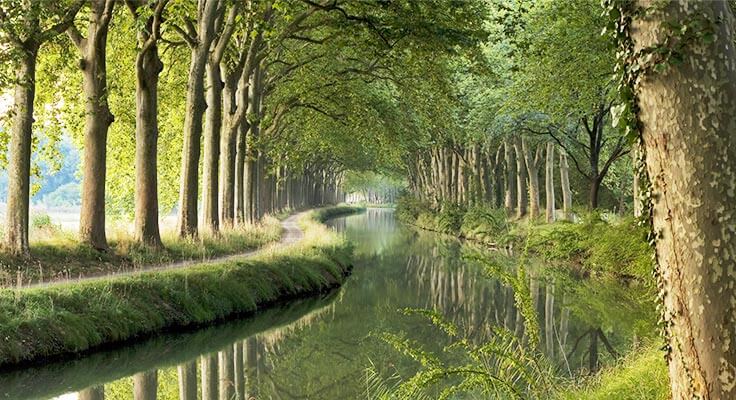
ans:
(75, 317)
(56, 254)
(640, 376)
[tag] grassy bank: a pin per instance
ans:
(75, 317)
(592, 245)
(640, 375)
(595, 251)
(56, 254)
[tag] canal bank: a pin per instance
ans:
(43, 323)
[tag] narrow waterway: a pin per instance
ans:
(327, 348)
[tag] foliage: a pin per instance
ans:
(502, 367)
(640, 376)
(618, 248)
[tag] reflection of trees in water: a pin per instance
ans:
(234, 372)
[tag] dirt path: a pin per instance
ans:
(290, 235)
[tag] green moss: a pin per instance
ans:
(640, 376)
(74, 317)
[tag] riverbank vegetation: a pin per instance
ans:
(58, 255)
(44, 322)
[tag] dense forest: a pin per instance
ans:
(523, 115)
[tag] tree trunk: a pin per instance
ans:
(187, 374)
(97, 121)
(146, 147)
(145, 385)
(193, 115)
(565, 184)
(211, 164)
(19, 163)
(532, 162)
(240, 174)
(521, 177)
(688, 115)
(510, 181)
(549, 183)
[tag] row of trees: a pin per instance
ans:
(278, 97)
(545, 106)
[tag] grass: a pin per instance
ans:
(56, 254)
(69, 318)
(642, 375)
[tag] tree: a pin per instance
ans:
(93, 64)
(26, 25)
(199, 35)
(148, 65)
(682, 64)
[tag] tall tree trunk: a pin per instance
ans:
(532, 162)
(240, 174)
(194, 113)
(565, 186)
(521, 177)
(510, 181)
(211, 162)
(688, 115)
(19, 163)
(97, 121)
(549, 183)
(148, 68)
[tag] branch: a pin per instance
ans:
(66, 21)
(189, 40)
(76, 37)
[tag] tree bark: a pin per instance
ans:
(565, 186)
(688, 115)
(19, 163)
(97, 122)
(510, 181)
(521, 177)
(194, 113)
(549, 183)
(148, 68)
(532, 163)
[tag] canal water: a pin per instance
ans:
(343, 345)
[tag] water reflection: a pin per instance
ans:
(321, 348)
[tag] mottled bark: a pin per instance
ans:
(149, 67)
(688, 115)
(565, 186)
(97, 121)
(510, 180)
(532, 163)
(549, 183)
(521, 178)
(193, 116)
(19, 162)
